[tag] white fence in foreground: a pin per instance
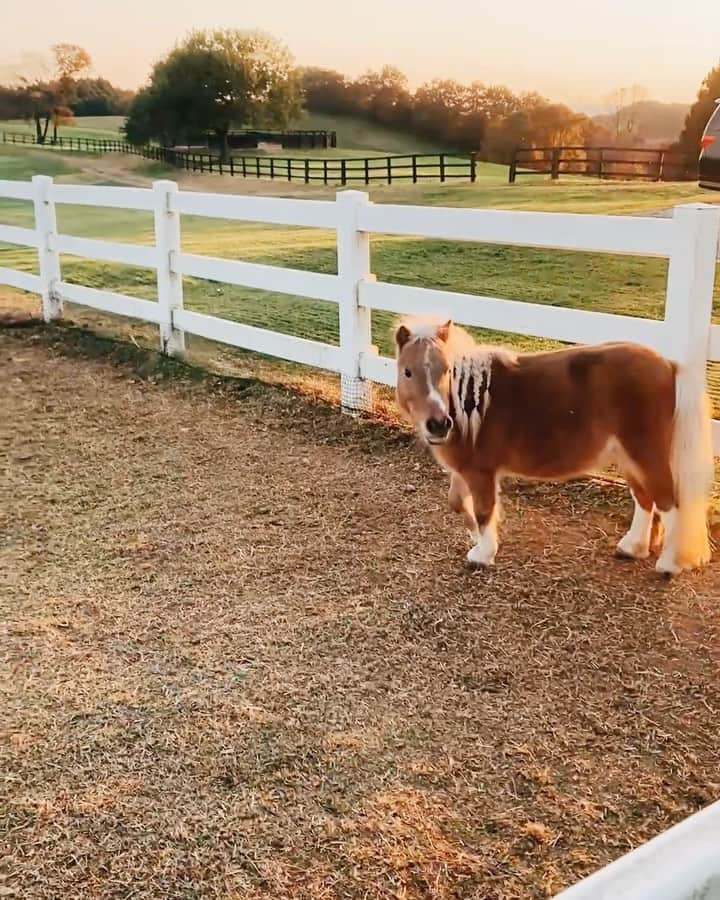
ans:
(689, 240)
(683, 863)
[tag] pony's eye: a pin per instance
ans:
(408, 373)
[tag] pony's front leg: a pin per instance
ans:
(461, 501)
(482, 492)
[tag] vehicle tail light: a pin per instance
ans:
(706, 140)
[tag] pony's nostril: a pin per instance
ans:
(438, 427)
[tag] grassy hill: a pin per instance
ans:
(359, 134)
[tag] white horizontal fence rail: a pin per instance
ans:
(23, 237)
(314, 285)
(108, 251)
(536, 320)
(632, 235)
(689, 240)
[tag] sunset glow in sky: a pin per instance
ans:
(568, 50)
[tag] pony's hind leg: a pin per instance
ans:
(636, 543)
(658, 478)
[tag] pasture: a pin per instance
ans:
(244, 659)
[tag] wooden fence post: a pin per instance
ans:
(661, 165)
(442, 167)
(473, 167)
(690, 282)
(512, 175)
(414, 169)
(555, 164)
(48, 257)
(169, 283)
(353, 261)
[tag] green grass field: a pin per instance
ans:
(617, 284)
(100, 127)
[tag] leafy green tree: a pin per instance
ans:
(213, 81)
(326, 91)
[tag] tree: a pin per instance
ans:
(700, 112)
(70, 60)
(49, 100)
(213, 81)
(384, 96)
(99, 97)
(326, 91)
(437, 106)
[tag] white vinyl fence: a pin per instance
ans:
(689, 240)
(683, 863)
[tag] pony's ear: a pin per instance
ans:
(402, 336)
(443, 332)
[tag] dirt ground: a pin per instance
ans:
(242, 657)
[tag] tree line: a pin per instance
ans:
(221, 79)
(490, 119)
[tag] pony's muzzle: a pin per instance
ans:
(438, 429)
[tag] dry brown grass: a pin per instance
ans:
(243, 658)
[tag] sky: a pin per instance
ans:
(574, 51)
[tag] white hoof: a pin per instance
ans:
(631, 548)
(667, 566)
(482, 554)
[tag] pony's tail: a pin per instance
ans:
(692, 465)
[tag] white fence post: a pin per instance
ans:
(353, 263)
(48, 257)
(169, 283)
(690, 282)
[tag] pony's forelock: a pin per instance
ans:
(427, 327)
(420, 327)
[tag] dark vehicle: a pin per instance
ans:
(709, 165)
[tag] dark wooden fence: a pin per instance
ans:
(412, 167)
(326, 170)
(656, 164)
(87, 145)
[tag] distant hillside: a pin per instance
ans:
(656, 122)
(359, 134)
